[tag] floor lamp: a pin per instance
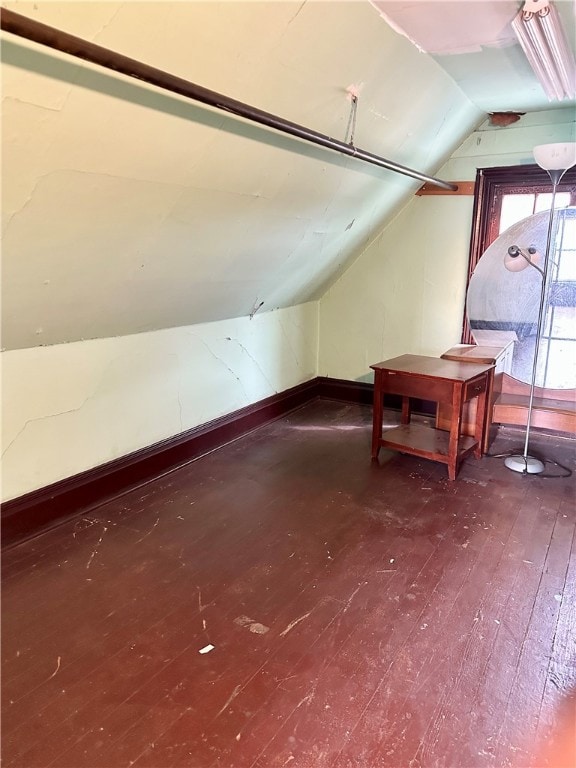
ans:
(555, 159)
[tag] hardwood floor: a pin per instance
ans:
(361, 614)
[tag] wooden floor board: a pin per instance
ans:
(561, 673)
(372, 644)
(205, 595)
(533, 669)
(427, 666)
(329, 549)
(363, 614)
(141, 573)
(505, 634)
(457, 714)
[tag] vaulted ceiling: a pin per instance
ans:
(128, 209)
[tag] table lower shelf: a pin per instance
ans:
(426, 442)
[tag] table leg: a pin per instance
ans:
(489, 407)
(377, 414)
(481, 428)
(406, 411)
(457, 393)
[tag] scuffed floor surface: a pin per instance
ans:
(361, 614)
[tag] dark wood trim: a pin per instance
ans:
(345, 390)
(462, 188)
(45, 508)
(362, 392)
(41, 509)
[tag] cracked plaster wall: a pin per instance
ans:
(70, 407)
(127, 209)
(405, 294)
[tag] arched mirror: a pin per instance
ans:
(504, 293)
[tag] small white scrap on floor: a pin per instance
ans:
(57, 668)
(292, 624)
(207, 648)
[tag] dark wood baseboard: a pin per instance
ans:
(363, 393)
(345, 390)
(39, 510)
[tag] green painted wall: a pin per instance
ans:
(405, 293)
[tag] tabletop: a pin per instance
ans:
(432, 367)
(478, 353)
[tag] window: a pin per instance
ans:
(517, 206)
(505, 196)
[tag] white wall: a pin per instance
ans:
(70, 407)
(405, 293)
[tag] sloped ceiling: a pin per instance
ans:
(126, 209)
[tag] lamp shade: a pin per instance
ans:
(556, 157)
(516, 260)
(515, 263)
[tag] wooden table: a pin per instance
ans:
(430, 378)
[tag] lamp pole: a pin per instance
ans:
(526, 463)
(555, 159)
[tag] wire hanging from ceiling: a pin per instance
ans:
(351, 127)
